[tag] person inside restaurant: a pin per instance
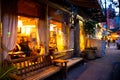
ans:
(24, 46)
(17, 47)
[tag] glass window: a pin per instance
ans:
(57, 38)
(27, 37)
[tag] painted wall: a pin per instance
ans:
(82, 36)
(100, 44)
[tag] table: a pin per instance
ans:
(63, 64)
(16, 54)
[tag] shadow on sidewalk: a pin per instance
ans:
(115, 75)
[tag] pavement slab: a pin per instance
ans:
(98, 69)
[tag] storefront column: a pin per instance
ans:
(47, 30)
(76, 38)
(0, 35)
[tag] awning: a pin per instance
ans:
(89, 9)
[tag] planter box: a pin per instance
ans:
(90, 54)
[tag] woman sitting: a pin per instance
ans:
(17, 48)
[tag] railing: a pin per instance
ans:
(30, 64)
(64, 54)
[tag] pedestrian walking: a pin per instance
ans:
(108, 42)
(118, 43)
(114, 42)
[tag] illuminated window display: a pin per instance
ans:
(56, 36)
(27, 36)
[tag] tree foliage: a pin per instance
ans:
(89, 27)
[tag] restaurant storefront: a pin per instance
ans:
(35, 27)
(22, 25)
(57, 40)
(58, 30)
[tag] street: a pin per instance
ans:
(99, 69)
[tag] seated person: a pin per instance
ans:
(51, 53)
(25, 48)
(17, 48)
(34, 53)
(42, 49)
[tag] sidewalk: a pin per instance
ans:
(99, 69)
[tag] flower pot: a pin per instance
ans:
(91, 54)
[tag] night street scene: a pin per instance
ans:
(59, 39)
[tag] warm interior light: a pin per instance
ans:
(22, 30)
(30, 26)
(82, 36)
(28, 30)
(57, 37)
(60, 31)
(114, 36)
(52, 27)
(20, 23)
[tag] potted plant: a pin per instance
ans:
(91, 52)
(89, 29)
(7, 71)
